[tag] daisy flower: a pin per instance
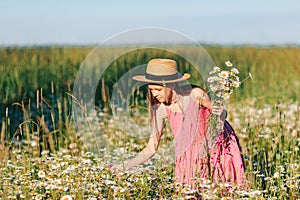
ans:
(223, 74)
(222, 81)
(210, 79)
(235, 70)
(228, 64)
(216, 68)
(66, 197)
(41, 174)
(236, 84)
(38, 197)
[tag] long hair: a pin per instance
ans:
(152, 107)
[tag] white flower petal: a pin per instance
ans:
(228, 64)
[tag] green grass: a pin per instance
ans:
(24, 70)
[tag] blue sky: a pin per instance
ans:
(34, 22)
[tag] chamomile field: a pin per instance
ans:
(43, 154)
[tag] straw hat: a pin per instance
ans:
(162, 71)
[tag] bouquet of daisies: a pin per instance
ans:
(221, 84)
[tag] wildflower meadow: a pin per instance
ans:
(43, 155)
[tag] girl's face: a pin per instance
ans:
(160, 93)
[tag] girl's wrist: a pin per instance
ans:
(223, 115)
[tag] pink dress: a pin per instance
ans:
(196, 156)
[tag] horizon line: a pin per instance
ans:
(93, 45)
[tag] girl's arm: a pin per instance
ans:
(216, 108)
(152, 146)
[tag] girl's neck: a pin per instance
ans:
(174, 98)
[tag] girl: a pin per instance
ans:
(198, 154)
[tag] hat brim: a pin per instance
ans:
(144, 79)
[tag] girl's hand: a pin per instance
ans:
(117, 167)
(218, 109)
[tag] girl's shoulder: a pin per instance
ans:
(192, 91)
(196, 92)
(199, 95)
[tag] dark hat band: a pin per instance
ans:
(163, 77)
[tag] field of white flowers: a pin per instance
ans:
(269, 136)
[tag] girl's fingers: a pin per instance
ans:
(217, 110)
(116, 167)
